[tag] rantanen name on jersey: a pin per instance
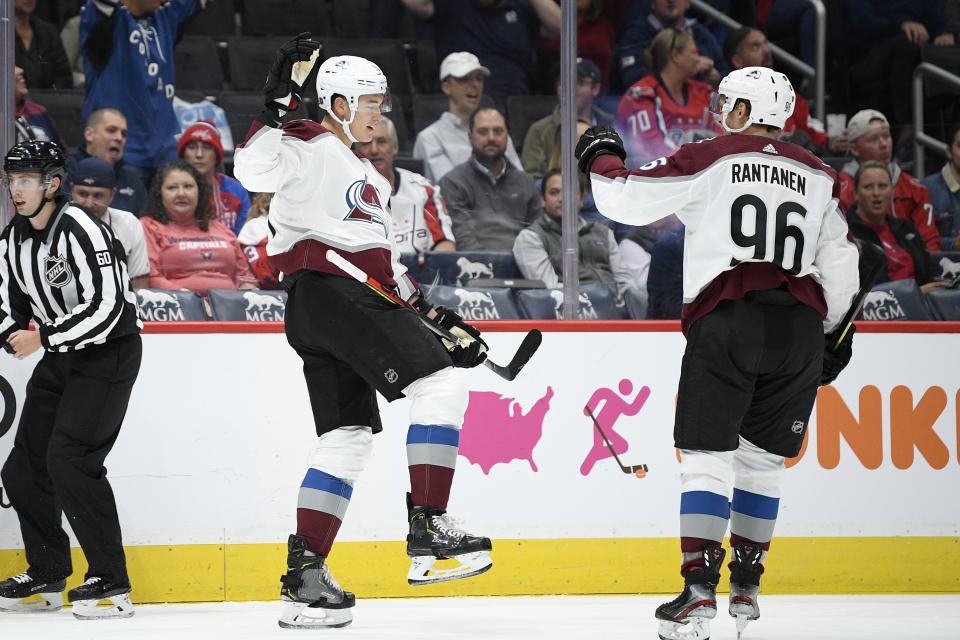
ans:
(756, 172)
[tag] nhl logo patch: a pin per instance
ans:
(390, 375)
(56, 272)
(797, 426)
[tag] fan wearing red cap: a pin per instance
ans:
(200, 145)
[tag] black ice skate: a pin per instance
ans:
(745, 584)
(312, 599)
(433, 537)
(688, 616)
(29, 592)
(87, 596)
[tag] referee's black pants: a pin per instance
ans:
(74, 406)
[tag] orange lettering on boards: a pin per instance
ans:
(865, 437)
(913, 427)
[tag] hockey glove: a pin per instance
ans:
(471, 350)
(295, 59)
(834, 361)
(595, 142)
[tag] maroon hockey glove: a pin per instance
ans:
(835, 360)
(598, 141)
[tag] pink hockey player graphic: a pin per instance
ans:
(614, 406)
(495, 429)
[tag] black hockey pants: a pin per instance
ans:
(74, 406)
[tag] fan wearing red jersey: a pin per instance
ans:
(768, 271)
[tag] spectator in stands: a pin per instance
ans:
(200, 145)
(446, 143)
(538, 249)
(637, 36)
(543, 137)
(951, 15)
(93, 187)
(253, 238)
(788, 19)
(747, 47)
(501, 32)
(105, 137)
(668, 107)
(869, 134)
(665, 280)
(637, 243)
(944, 187)
(869, 220)
(488, 198)
(188, 247)
(420, 219)
(885, 37)
(31, 120)
(38, 50)
(129, 65)
(596, 38)
(70, 38)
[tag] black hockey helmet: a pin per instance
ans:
(37, 156)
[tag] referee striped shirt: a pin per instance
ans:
(71, 278)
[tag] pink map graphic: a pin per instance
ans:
(495, 430)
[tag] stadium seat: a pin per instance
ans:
(161, 305)
(250, 59)
(218, 20)
(197, 65)
(427, 108)
(285, 18)
(428, 67)
(637, 301)
(409, 163)
(397, 115)
(66, 109)
(459, 267)
(944, 304)
(523, 111)
(474, 303)
(897, 300)
(241, 108)
(252, 305)
(351, 19)
(947, 264)
(388, 54)
(596, 303)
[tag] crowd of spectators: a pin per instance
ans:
(648, 67)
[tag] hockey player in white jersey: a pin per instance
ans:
(768, 272)
(353, 341)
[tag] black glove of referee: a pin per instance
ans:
(598, 141)
(834, 361)
(472, 350)
(295, 59)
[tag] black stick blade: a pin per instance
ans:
(531, 342)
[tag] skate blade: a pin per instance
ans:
(423, 571)
(39, 603)
(690, 629)
(88, 609)
(297, 615)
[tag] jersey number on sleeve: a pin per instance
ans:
(758, 239)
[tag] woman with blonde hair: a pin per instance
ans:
(668, 107)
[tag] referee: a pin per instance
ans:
(63, 268)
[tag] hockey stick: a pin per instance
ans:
(529, 345)
(872, 260)
(639, 470)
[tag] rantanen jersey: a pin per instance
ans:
(759, 214)
(327, 197)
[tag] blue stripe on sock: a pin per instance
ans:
(704, 502)
(433, 434)
(316, 479)
(756, 505)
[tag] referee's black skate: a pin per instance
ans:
(687, 617)
(434, 537)
(312, 599)
(29, 592)
(88, 595)
(745, 584)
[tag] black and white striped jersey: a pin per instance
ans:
(71, 278)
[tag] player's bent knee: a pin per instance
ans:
(343, 452)
(439, 398)
(706, 470)
(758, 471)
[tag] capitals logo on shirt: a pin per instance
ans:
(364, 204)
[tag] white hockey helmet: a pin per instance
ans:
(769, 93)
(350, 77)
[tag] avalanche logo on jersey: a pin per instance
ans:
(364, 204)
